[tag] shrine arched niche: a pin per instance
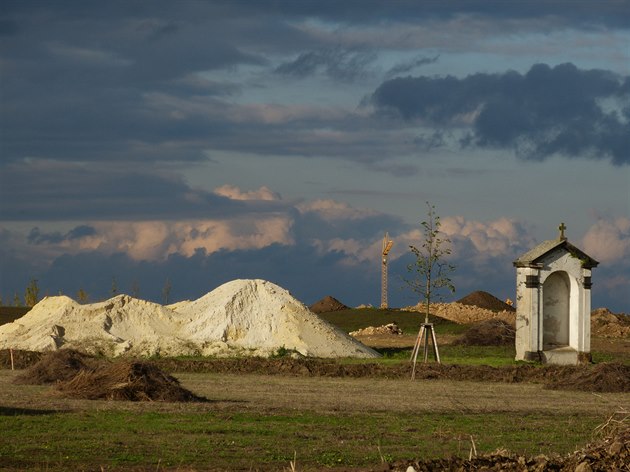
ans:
(556, 309)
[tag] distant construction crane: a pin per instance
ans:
(387, 245)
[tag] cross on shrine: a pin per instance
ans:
(562, 227)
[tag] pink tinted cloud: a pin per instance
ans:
(608, 240)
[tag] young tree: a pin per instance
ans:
(135, 289)
(430, 277)
(16, 300)
(114, 288)
(31, 295)
(166, 291)
(82, 296)
(430, 271)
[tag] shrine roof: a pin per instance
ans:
(533, 256)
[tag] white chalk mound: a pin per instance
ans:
(242, 317)
(114, 327)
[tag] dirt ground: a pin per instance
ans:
(602, 377)
(258, 393)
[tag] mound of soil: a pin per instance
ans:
(605, 377)
(327, 304)
(129, 381)
(391, 329)
(467, 314)
(609, 453)
(21, 359)
(607, 324)
(485, 300)
(57, 366)
(595, 378)
(493, 332)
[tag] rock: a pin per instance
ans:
(583, 467)
(388, 329)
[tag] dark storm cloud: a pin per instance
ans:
(75, 80)
(317, 226)
(68, 192)
(408, 66)
(335, 63)
(549, 110)
(309, 276)
(36, 236)
(585, 14)
(79, 78)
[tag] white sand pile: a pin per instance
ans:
(113, 327)
(261, 316)
(242, 317)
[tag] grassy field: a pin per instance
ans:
(408, 321)
(258, 422)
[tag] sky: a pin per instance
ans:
(161, 148)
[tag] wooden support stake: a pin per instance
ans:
(425, 336)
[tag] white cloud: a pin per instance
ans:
(156, 240)
(608, 240)
(501, 236)
(234, 193)
(334, 210)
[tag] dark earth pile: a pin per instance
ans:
(606, 377)
(493, 332)
(596, 378)
(126, 380)
(602, 377)
(327, 304)
(611, 453)
(55, 366)
(21, 359)
(79, 375)
(485, 300)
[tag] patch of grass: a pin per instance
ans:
(601, 355)
(409, 321)
(457, 354)
(249, 440)
(478, 355)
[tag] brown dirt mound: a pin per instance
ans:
(605, 377)
(612, 377)
(609, 453)
(327, 304)
(57, 366)
(21, 359)
(494, 332)
(607, 324)
(391, 329)
(129, 381)
(485, 300)
(596, 378)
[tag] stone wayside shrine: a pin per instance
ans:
(553, 303)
